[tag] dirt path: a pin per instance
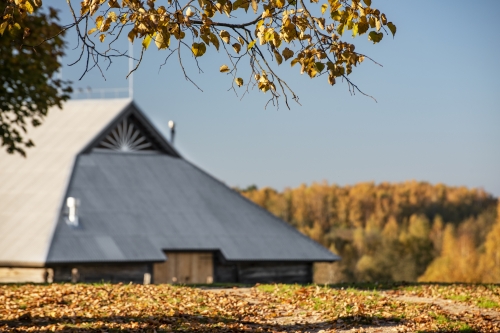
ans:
(451, 307)
(317, 325)
(296, 320)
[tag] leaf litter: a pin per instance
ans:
(262, 308)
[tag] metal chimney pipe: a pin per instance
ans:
(72, 204)
(171, 125)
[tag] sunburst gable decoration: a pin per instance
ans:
(126, 137)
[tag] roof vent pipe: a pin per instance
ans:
(171, 125)
(72, 204)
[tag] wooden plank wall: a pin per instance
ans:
(261, 272)
(92, 273)
(185, 267)
(24, 275)
(274, 273)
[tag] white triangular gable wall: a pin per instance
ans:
(32, 188)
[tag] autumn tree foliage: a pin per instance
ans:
(467, 256)
(395, 232)
(489, 261)
(261, 33)
(310, 36)
(29, 85)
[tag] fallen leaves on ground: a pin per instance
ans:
(264, 308)
(482, 296)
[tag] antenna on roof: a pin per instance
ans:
(171, 125)
(130, 68)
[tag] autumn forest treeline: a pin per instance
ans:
(411, 231)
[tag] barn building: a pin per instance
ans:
(104, 196)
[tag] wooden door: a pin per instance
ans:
(185, 268)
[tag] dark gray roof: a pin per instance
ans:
(134, 205)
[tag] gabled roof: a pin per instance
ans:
(137, 196)
(133, 206)
(32, 189)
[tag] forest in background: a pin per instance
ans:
(411, 231)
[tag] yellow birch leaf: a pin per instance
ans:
(91, 31)
(375, 37)
(287, 53)
(237, 4)
(162, 40)
(362, 27)
(267, 13)
(28, 7)
(3, 26)
(392, 27)
(242, 42)
(14, 29)
(254, 6)
(239, 81)
(112, 16)
(98, 21)
(335, 5)
(198, 49)
(372, 22)
(355, 28)
(237, 47)
(224, 69)
(101, 37)
(384, 19)
(341, 28)
(206, 39)
(269, 35)
(214, 40)
(113, 4)
(324, 7)
(331, 79)
(320, 22)
(227, 8)
(224, 35)
(105, 26)
(279, 58)
(367, 2)
(336, 15)
(146, 41)
(131, 36)
(319, 66)
(252, 43)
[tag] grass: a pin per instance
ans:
(413, 288)
(267, 288)
(442, 319)
(318, 303)
(459, 298)
(464, 328)
(363, 292)
(451, 325)
(486, 303)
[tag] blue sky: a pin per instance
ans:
(437, 118)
